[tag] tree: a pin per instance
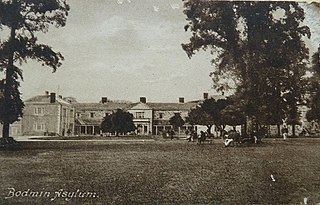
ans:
(208, 114)
(240, 36)
(176, 121)
(314, 89)
(106, 124)
(24, 18)
(233, 114)
(198, 116)
(118, 122)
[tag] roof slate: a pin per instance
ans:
(109, 106)
(45, 99)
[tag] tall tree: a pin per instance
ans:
(240, 36)
(233, 114)
(314, 89)
(208, 113)
(24, 18)
(198, 116)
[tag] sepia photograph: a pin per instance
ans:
(185, 102)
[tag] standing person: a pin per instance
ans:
(284, 132)
(171, 134)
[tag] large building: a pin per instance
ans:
(149, 118)
(153, 118)
(88, 116)
(50, 115)
(47, 115)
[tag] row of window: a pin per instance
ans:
(138, 115)
(39, 126)
(42, 111)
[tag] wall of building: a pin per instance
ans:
(47, 119)
(142, 119)
(15, 129)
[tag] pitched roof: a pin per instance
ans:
(216, 97)
(45, 99)
(109, 106)
(172, 106)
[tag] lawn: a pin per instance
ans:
(161, 172)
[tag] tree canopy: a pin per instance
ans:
(23, 18)
(209, 113)
(118, 122)
(176, 120)
(240, 37)
(314, 89)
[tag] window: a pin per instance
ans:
(78, 115)
(92, 114)
(39, 110)
(64, 114)
(139, 115)
(160, 115)
(39, 127)
(71, 113)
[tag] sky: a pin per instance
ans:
(125, 49)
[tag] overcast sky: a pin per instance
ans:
(124, 49)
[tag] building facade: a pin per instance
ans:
(51, 115)
(153, 118)
(47, 115)
(88, 116)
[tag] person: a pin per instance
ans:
(171, 134)
(201, 137)
(227, 142)
(284, 132)
(190, 138)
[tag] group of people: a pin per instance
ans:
(233, 137)
(193, 136)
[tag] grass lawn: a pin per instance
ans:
(162, 172)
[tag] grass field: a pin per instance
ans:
(161, 172)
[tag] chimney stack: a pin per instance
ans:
(52, 97)
(60, 96)
(181, 100)
(104, 100)
(205, 96)
(143, 99)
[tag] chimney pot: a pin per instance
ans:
(104, 100)
(52, 97)
(143, 99)
(181, 100)
(205, 96)
(47, 92)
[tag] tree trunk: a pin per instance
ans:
(8, 85)
(5, 130)
(279, 130)
(293, 130)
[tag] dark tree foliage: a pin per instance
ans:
(24, 18)
(233, 114)
(198, 116)
(208, 113)
(118, 122)
(176, 120)
(240, 37)
(314, 89)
